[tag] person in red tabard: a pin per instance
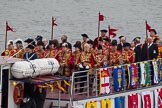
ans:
(103, 35)
(41, 53)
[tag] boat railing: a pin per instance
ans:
(87, 85)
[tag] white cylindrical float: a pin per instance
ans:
(32, 68)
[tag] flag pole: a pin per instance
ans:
(98, 24)
(109, 43)
(147, 40)
(52, 28)
(6, 36)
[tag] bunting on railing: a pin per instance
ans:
(158, 98)
(59, 86)
(104, 81)
(133, 101)
(67, 83)
(91, 104)
(120, 102)
(106, 103)
(118, 78)
(132, 76)
(147, 99)
(156, 75)
(144, 72)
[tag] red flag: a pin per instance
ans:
(101, 17)
(53, 22)
(112, 32)
(8, 28)
(148, 27)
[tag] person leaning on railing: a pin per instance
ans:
(86, 63)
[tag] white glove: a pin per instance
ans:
(80, 66)
(87, 67)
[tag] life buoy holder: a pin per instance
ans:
(18, 94)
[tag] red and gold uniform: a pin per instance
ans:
(8, 52)
(66, 60)
(41, 54)
(86, 58)
(76, 55)
(20, 53)
(127, 56)
(52, 53)
(100, 59)
(114, 58)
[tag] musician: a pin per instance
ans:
(30, 54)
(65, 59)
(115, 55)
(85, 39)
(137, 50)
(76, 54)
(122, 41)
(19, 49)
(106, 45)
(53, 50)
(127, 54)
(38, 38)
(92, 50)
(100, 58)
(157, 42)
(86, 63)
(149, 50)
(103, 35)
(41, 53)
(10, 51)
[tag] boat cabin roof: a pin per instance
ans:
(8, 60)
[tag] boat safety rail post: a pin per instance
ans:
(96, 82)
(111, 80)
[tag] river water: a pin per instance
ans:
(74, 17)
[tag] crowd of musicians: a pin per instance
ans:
(88, 54)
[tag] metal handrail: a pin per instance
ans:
(96, 79)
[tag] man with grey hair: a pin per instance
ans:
(64, 40)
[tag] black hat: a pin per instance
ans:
(114, 42)
(30, 46)
(153, 30)
(126, 44)
(51, 42)
(104, 31)
(29, 40)
(84, 35)
(19, 42)
(39, 37)
(40, 43)
(99, 47)
(77, 46)
(107, 39)
(120, 37)
(90, 42)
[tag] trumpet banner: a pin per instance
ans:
(91, 104)
(155, 72)
(147, 99)
(133, 101)
(106, 103)
(104, 81)
(144, 73)
(120, 102)
(118, 78)
(158, 98)
(132, 76)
